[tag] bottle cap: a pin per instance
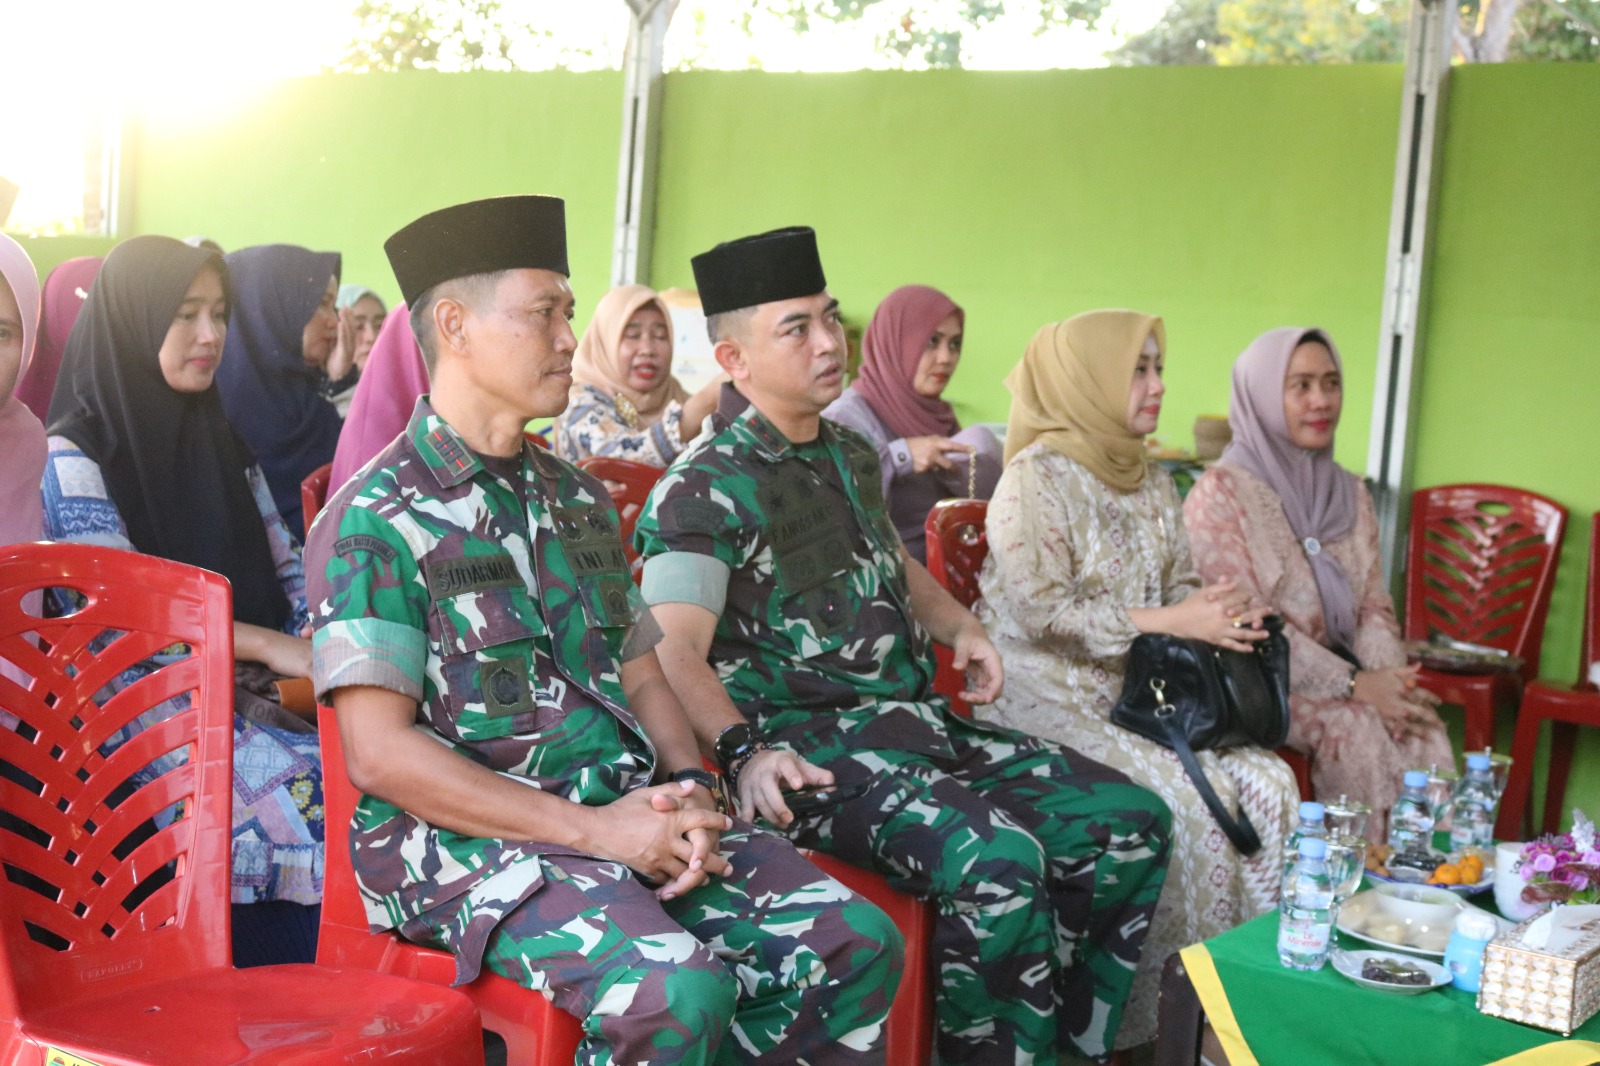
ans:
(1476, 925)
(1477, 760)
(1311, 811)
(1416, 779)
(1313, 848)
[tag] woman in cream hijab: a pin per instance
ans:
(1087, 551)
(624, 400)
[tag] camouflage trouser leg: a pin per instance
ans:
(776, 963)
(1045, 866)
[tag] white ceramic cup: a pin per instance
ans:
(1508, 884)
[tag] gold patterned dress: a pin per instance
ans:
(1067, 557)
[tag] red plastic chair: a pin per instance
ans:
(908, 1035)
(636, 479)
(1565, 707)
(535, 1030)
(114, 905)
(958, 543)
(1480, 568)
(314, 493)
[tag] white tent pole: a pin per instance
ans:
(1430, 38)
(641, 125)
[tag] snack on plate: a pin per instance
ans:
(1391, 971)
(1378, 858)
(1467, 870)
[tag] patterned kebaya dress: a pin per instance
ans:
(1068, 556)
(1239, 531)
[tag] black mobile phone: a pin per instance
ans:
(817, 798)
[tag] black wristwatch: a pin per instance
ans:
(736, 743)
(711, 782)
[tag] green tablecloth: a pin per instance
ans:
(1291, 1018)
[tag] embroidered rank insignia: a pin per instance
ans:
(505, 687)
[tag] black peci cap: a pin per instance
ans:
(781, 264)
(479, 237)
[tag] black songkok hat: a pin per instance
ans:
(480, 237)
(781, 264)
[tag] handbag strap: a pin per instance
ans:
(1239, 830)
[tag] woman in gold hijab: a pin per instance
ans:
(624, 400)
(1086, 551)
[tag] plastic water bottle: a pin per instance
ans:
(1312, 824)
(1307, 910)
(1463, 955)
(1472, 806)
(1411, 817)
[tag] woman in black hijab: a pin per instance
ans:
(141, 457)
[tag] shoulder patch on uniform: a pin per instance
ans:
(690, 514)
(365, 542)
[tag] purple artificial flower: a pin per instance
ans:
(1544, 863)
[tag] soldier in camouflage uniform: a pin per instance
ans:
(504, 714)
(771, 557)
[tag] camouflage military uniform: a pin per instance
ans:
(1045, 865)
(426, 581)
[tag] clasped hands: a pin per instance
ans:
(670, 833)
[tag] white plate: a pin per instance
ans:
(1349, 964)
(1354, 912)
(1485, 883)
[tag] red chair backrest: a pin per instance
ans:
(314, 493)
(1480, 566)
(76, 918)
(957, 546)
(1591, 606)
(636, 479)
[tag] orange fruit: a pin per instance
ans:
(1471, 873)
(1445, 875)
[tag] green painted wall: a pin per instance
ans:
(340, 162)
(1228, 201)
(48, 252)
(1511, 378)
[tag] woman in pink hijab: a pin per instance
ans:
(1296, 531)
(624, 400)
(22, 440)
(21, 434)
(65, 291)
(393, 378)
(908, 356)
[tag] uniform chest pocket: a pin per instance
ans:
(817, 598)
(486, 642)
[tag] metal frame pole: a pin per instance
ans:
(641, 127)
(1430, 40)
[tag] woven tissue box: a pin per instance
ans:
(1557, 987)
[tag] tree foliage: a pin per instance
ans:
(931, 32)
(454, 35)
(1357, 31)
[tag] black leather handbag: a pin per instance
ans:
(1191, 696)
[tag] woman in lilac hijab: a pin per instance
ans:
(1287, 524)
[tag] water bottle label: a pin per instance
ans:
(1302, 936)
